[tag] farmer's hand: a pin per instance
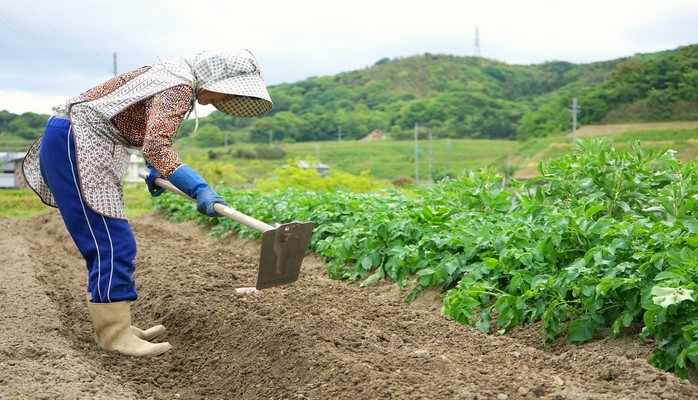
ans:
(191, 183)
(205, 200)
(154, 189)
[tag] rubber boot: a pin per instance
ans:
(148, 334)
(112, 323)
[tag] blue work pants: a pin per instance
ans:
(107, 244)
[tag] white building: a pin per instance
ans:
(11, 170)
(11, 176)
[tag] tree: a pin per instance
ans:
(28, 125)
(628, 80)
(209, 136)
(284, 126)
(5, 118)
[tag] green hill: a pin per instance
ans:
(473, 97)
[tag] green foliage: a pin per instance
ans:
(463, 97)
(220, 172)
(286, 127)
(292, 175)
(222, 121)
(595, 246)
(261, 153)
(27, 126)
(604, 240)
(655, 86)
(209, 136)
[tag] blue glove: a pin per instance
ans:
(154, 189)
(191, 183)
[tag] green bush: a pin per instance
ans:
(292, 175)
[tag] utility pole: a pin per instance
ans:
(477, 41)
(448, 154)
(431, 175)
(575, 109)
(115, 64)
(339, 133)
(416, 153)
(507, 175)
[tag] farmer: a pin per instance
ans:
(78, 163)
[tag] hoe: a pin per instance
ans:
(283, 246)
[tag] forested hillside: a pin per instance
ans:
(475, 97)
(457, 97)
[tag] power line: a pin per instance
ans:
(47, 47)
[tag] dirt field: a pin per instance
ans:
(314, 339)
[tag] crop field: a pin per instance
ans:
(577, 284)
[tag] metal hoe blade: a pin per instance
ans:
(282, 253)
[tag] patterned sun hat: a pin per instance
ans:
(236, 73)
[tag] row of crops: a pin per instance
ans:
(605, 240)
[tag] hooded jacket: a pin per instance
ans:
(142, 110)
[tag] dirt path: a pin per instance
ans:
(315, 339)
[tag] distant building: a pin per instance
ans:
(375, 134)
(320, 167)
(134, 166)
(11, 176)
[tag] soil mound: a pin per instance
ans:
(314, 339)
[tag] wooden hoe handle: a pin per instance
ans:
(225, 211)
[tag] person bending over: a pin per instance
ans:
(78, 163)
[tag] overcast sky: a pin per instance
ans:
(52, 49)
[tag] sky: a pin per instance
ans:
(51, 50)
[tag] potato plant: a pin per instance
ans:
(603, 240)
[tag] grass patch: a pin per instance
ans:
(24, 203)
(138, 200)
(14, 143)
(659, 135)
(20, 203)
(384, 159)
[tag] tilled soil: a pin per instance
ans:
(313, 339)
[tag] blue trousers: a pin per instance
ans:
(107, 244)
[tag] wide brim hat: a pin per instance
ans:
(235, 73)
